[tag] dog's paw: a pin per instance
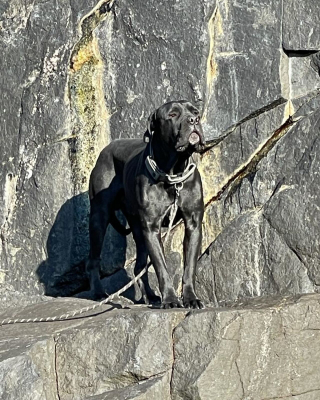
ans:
(190, 299)
(171, 302)
(195, 304)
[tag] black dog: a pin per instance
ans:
(143, 178)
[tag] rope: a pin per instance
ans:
(80, 311)
(173, 210)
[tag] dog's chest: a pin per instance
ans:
(161, 194)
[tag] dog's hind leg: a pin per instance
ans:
(99, 220)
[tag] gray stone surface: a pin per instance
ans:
(36, 39)
(300, 21)
(95, 75)
(304, 69)
(75, 76)
(268, 217)
(154, 52)
(261, 349)
(243, 65)
(151, 389)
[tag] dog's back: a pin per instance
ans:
(110, 164)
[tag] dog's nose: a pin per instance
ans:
(192, 120)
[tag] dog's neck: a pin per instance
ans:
(167, 158)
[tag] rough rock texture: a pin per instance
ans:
(268, 242)
(299, 25)
(75, 75)
(36, 41)
(106, 66)
(264, 349)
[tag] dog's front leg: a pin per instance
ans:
(151, 233)
(191, 249)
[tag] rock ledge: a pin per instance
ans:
(260, 349)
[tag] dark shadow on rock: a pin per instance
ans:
(63, 272)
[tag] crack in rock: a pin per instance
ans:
(249, 167)
(214, 142)
(55, 339)
(212, 67)
(299, 53)
(292, 395)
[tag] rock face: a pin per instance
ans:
(268, 246)
(76, 75)
(105, 68)
(260, 350)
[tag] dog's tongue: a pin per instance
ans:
(194, 138)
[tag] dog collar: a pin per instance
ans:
(158, 175)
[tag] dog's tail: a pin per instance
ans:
(118, 226)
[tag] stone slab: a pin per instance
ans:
(267, 348)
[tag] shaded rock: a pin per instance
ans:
(35, 41)
(152, 389)
(112, 284)
(315, 62)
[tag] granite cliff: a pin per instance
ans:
(76, 75)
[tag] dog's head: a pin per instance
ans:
(178, 124)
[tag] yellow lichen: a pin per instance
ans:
(211, 63)
(211, 173)
(84, 55)
(90, 115)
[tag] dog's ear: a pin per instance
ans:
(151, 126)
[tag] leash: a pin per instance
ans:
(75, 313)
(173, 211)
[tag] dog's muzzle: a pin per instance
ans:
(194, 138)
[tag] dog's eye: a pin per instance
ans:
(172, 115)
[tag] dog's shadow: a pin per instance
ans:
(63, 272)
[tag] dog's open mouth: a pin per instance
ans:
(194, 138)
